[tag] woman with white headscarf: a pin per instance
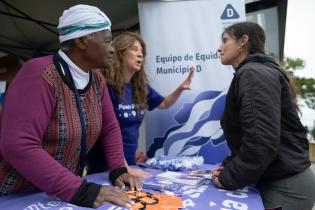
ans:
(42, 143)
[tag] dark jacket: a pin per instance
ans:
(262, 126)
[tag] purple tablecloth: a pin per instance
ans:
(202, 198)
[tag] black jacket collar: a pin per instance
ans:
(263, 59)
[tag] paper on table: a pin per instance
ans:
(149, 201)
(181, 178)
(201, 173)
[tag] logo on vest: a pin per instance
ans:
(229, 13)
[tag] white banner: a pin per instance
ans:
(180, 34)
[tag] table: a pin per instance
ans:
(205, 197)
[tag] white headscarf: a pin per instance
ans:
(81, 20)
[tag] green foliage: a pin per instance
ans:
(293, 63)
(305, 86)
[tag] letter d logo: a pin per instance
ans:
(229, 13)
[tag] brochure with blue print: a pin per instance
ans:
(181, 178)
(201, 173)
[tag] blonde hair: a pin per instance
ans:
(114, 76)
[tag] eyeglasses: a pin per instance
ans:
(141, 199)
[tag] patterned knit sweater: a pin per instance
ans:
(40, 131)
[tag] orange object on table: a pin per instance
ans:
(149, 201)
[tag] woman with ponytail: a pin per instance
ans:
(268, 143)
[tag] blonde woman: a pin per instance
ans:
(132, 95)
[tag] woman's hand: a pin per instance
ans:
(141, 157)
(138, 172)
(172, 98)
(109, 194)
(217, 171)
(186, 84)
(129, 179)
(216, 181)
(215, 176)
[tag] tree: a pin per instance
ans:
(305, 86)
(293, 63)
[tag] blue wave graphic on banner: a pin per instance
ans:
(198, 125)
(212, 116)
(183, 114)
